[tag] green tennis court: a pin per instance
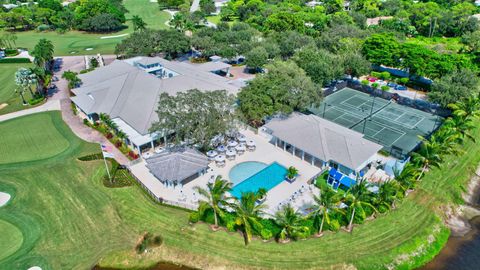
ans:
(394, 126)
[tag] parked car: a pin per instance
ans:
(401, 88)
(372, 79)
(391, 84)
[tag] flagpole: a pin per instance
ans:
(106, 165)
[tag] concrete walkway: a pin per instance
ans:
(50, 105)
(76, 63)
(195, 6)
(86, 133)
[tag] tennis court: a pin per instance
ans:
(394, 126)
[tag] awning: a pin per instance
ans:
(135, 137)
(347, 181)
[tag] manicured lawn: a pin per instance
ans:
(29, 139)
(216, 20)
(11, 239)
(77, 43)
(148, 11)
(62, 208)
(8, 86)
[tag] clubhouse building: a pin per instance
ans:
(129, 90)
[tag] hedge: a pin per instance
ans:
(14, 60)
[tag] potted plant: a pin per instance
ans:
(292, 173)
(261, 195)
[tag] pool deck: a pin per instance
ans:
(265, 152)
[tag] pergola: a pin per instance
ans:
(177, 166)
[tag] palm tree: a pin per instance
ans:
(289, 220)
(292, 172)
(429, 154)
(25, 79)
(43, 54)
(247, 212)
(407, 177)
(388, 192)
(138, 23)
(461, 126)
(325, 203)
(468, 107)
(178, 21)
(215, 196)
(21, 92)
(358, 198)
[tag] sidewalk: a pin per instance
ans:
(50, 105)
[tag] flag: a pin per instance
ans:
(106, 151)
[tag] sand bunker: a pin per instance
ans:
(35, 268)
(3, 105)
(4, 198)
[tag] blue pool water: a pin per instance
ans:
(266, 178)
(244, 170)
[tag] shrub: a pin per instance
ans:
(14, 60)
(118, 144)
(43, 28)
(35, 101)
(149, 240)
(86, 122)
(109, 135)
(90, 157)
(269, 224)
(385, 88)
(11, 52)
(385, 75)
(230, 225)
(74, 108)
(266, 234)
(194, 217)
(86, 70)
(365, 82)
(334, 225)
(375, 85)
(375, 74)
(403, 80)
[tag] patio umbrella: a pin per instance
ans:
(232, 143)
(221, 148)
(220, 158)
(250, 143)
(212, 153)
(242, 138)
(231, 152)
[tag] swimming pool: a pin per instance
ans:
(244, 170)
(266, 178)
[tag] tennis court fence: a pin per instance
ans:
(418, 104)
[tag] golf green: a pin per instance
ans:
(11, 239)
(30, 138)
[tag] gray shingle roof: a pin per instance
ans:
(177, 165)
(324, 139)
(124, 91)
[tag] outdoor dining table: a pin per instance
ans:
(250, 143)
(230, 153)
(232, 143)
(240, 148)
(212, 153)
(220, 158)
(242, 138)
(221, 148)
